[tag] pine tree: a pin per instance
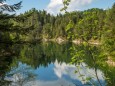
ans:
(9, 8)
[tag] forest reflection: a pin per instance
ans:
(22, 64)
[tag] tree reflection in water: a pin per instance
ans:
(95, 58)
(19, 76)
(18, 66)
(6, 55)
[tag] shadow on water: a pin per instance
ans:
(48, 64)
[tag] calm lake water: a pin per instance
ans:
(48, 64)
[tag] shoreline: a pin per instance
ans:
(61, 40)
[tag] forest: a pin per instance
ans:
(35, 25)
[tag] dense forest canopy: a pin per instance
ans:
(49, 26)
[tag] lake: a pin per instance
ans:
(52, 64)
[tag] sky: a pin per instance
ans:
(54, 6)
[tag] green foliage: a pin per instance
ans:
(36, 25)
(109, 32)
(88, 26)
(66, 4)
(69, 30)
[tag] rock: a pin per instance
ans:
(60, 40)
(76, 41)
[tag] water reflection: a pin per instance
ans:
(49, 64)
(18, 76)
(54, 75)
